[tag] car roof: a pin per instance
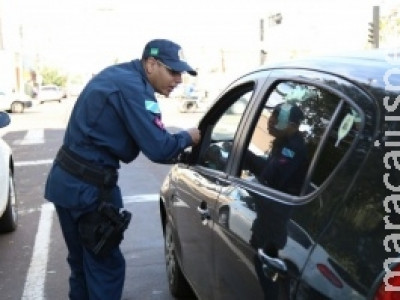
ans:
(374, 68)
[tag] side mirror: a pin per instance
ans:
(4, 119)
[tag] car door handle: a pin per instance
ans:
(272, 266)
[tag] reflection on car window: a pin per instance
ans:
(344, 130)
(299, 123)
(217, 153)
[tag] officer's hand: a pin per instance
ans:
(195, 135)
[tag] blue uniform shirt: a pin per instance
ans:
(115, 117)
(285, 168)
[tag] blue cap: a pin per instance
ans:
(168, 53)
(287, 113)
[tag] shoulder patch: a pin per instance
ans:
(287, 152)
(159, 123)
(152, 106)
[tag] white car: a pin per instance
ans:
(8, 200)
(50, 92)
(14, 102)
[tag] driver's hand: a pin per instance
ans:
(195, 134)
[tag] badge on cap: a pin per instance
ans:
(180, 55)
(154, 51)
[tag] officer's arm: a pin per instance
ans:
(254, 163)
(148, 131)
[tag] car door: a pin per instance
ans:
(261, 248)
(199, 185)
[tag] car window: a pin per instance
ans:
(299, 126)
(217, 151)
(340, 137)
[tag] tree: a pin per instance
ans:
(52, 76)
(390, 26)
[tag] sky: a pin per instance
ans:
(90, 34)
(98, 30)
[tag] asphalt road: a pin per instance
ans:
(33, 258)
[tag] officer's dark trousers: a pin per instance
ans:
(91, 278)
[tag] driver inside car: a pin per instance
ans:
(285, 167)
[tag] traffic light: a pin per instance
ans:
(373, 28)
(371, 33)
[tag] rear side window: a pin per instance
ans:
(301, 135)
(344, 128)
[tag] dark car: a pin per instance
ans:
(229, 234)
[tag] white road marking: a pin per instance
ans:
(141, 198)
(35, 280)
(32, 137)
(33, 162)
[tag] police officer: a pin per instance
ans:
(286, 165)
(115, 117)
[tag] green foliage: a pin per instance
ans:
(75, 79)
(53, 76)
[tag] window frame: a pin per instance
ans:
(209, 121)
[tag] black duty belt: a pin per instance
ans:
(85, 170)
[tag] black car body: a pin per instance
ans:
(228, 236)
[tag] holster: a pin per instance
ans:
(103, 229)
(100, 230)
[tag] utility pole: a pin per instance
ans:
(262, 51)
(261, 30)
(373, 28)
(1, 34)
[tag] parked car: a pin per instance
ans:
(50, 92)
(230, 235)
(190, 98)
(8, 199)
(14, 102)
